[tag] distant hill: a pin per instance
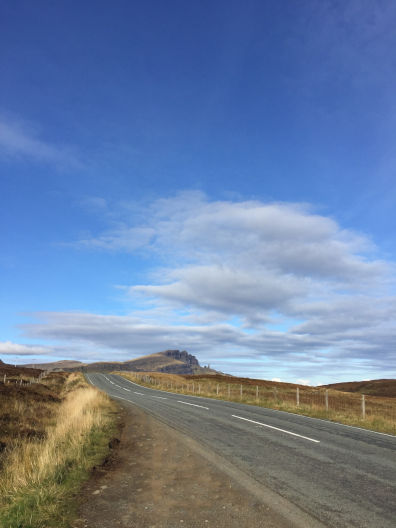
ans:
(169, 361)
(382, 387)
(55, 365)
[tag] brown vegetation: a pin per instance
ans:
(27, 410)
(11, 371)
(51, 433)
(383, 387)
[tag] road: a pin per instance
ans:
(341, 476)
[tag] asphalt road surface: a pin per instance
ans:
(339, 476)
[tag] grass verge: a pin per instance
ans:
(41, 476)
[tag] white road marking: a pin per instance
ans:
(276, 411)
(123, 388)
(277, 429)
(141, 393)
(159, 397)
(193, 404)
(129, 381)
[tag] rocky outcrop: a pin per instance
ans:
(184, 363)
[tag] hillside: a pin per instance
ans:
(385, 388)
(169, 361)
(11, 371)
(55, 365)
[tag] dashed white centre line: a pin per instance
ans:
(277, 429)
(141, 393)
(159, 397)
(123, 388)
(193, 404)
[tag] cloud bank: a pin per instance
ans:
(249, 286)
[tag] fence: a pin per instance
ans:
(353, 408)
(19, 380)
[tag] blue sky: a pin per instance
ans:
(212, 176)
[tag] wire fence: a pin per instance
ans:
(369, 411)
(21, 380)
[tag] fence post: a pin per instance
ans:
(217, 389)
(298, 396)
(363, 407)
(229, 391)
(193, 387)
(241, 391)
(257, 393)
(199, 388)
(327, 400)
(5, 378)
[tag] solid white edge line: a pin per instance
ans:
(193, 404)
(277, 429)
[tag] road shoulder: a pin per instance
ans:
(158, 477)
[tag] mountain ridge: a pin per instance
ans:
(168, 361)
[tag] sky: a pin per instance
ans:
(211, 176)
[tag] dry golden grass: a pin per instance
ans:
(343, 407)
(31, 462)
(36, 470)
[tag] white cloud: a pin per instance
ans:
(18, 139)
(14, 349)
(122, 238)
(301, 381)
(227, 290)
(285, 238)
